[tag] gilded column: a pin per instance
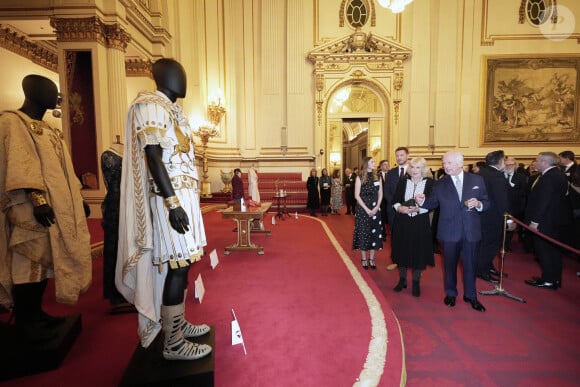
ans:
(117, 40)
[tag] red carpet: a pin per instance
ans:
(304, 319)
(511, 344)
(305, 323)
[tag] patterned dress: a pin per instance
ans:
(368, 230)
(336, 199)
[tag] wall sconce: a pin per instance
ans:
(431, 145)
(215, 108)
(376, 147)
(205, 131)
(334, 158)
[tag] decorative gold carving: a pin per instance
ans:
(319, 82)
(90, 29)
(138, 68)
(117, 37)
(19, 44)
(398, 83)
(319, 111)
(396, 109)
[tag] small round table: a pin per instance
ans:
(281, 203)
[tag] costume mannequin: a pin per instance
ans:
(43, 213)
(111, 162)
(157, 185)
(253, 185)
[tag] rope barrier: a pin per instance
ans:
(556, 242)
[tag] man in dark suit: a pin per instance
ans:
(570, 169)
(568, 163)
(383, 171)
(349, 179)
(517, 192)
(401, 155)
(548, 212)
(459, 228)
(492, 220)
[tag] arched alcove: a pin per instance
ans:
(375, 67)
(357, 124)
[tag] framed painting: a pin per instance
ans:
(532, 100)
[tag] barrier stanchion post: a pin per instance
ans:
(499, 289)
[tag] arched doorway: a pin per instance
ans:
(356, 125)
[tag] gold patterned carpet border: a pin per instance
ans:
(374, 365)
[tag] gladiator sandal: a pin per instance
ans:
(189, 330)
(175, 347)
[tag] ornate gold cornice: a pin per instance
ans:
(90, 29)
(21, 45)
(138, 68)
(136, 17)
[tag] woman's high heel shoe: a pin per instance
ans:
(372, 264)
(364, 264)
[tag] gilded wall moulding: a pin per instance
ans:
(90, 29)
(21, 45)
(138, 68)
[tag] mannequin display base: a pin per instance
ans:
(149, 368)
(22, 356)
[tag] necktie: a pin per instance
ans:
(458, 186)
(508, 176)
(536, 181)
(402, 173)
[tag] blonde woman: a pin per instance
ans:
(412, 240)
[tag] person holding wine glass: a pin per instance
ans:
(412, 241)
(458, 229)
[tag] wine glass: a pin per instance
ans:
(466, 202)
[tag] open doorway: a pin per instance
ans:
(355, 126)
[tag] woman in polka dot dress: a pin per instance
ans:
(368, 229)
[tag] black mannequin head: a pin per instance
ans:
(170, 78)
(40, 94)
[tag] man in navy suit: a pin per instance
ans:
(460, 197)
(548, 211)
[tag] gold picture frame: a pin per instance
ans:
(531, 100)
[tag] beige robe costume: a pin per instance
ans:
(147, 242)
(33, 155)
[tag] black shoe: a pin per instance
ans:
(364, 264)
(372, 264)
(416, 289)
(449, 300)
(474, 304)
(488, 278)
(539, 283)
(495, 272)
(539, 279)
(401, 285)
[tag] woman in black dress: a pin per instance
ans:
(325, 185)
(368, 228)
(312, 187)
(412, 241)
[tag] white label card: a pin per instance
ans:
(199, 288)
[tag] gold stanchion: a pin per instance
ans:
(499, 289)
